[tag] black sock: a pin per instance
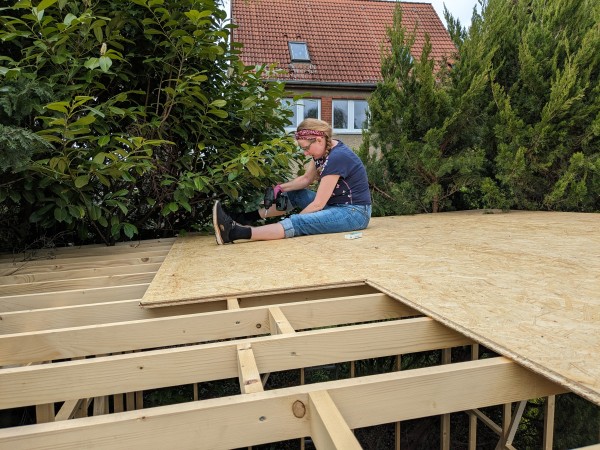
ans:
(239, 232)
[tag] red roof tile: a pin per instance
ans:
(344, 37)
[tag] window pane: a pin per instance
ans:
(289, 104)
(360, 114)
(340, 114)
(299, 51)
(311, 109)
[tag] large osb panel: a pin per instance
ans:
(526, 284)
(197, 269)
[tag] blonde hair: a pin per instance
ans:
(318, 125)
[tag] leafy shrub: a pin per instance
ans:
(125, 119)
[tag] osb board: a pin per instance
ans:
(526, 284)
(198, 270)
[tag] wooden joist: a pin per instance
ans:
(76, 284)
(78, 274)
(96, 250)
(192, 364)
(94, 314)
(72, 298)
(191, 328)
(263, 417)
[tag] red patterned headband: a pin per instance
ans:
(304, 134)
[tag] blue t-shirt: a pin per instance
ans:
(353, 185)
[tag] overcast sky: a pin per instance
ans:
(461, 9)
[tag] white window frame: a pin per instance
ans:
(350, 129)
(299, 105)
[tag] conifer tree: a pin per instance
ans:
(424, 130)
(544, 131)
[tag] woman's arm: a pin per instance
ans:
(326, 187)
(303, 181)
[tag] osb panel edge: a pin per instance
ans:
(577, 388)
(186, 301)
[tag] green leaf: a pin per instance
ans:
(219, 103)
(15, 196)
(76, 211)
(218, 112)
(60, 214)
(81, 181)
(69, 18)
(94, 212)
(99, 158)
(103, 140)
(129, 230)
(98, 33)
(58, 106)
(198, 184)
(92, 63)
(45, 4)
(85, 120)
(115, 230)
(105, 63)
(254, 168)
(122, 207)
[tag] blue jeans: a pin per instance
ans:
(331, 219)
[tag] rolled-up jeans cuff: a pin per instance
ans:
(288, 227)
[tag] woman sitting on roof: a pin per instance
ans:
(341, 203)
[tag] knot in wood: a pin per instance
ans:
(299, 409)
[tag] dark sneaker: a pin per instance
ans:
(222, 223)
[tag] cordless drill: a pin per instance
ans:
(281, 201)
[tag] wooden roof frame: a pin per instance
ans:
(61, 341)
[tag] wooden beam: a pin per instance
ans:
(68, 410)
(487, 421)
(132, 335)
(346, 309)
(190, 364)
(174, 330)
(71, 298)
(232, 303)
(445, 419)
(248, 373)
(42, 265)
(473, 417)
(328, 429)
(324, 293)
(515, 421)
(232, 422)
(375, 306)
(94, 314)
(98, 252)
(44, 413)
(506, 421)
(77, 284)
(278, 323)
(94, 272)
(51, 268)
(549, 409)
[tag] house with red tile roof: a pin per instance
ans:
(330, 50)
